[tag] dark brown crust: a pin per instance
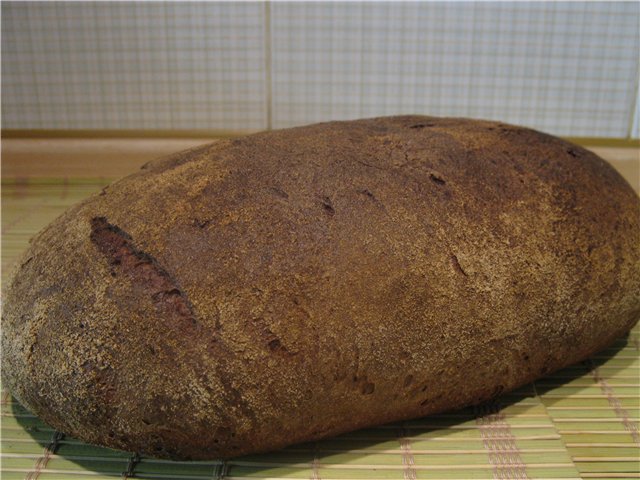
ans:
(291, 285)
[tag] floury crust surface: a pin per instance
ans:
(291, 285)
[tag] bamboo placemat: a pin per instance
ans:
(581, 422)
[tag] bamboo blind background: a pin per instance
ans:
(569, 68)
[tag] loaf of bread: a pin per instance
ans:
(291, 285)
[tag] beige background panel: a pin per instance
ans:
(567, 68)
(133, 65)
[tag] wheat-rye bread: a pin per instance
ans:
(290, 285)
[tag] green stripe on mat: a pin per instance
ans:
(576, 423)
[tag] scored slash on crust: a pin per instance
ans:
(145, 273)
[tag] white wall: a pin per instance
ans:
(566, 68)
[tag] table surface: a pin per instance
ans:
(581, 422)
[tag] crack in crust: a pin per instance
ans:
(144, 272)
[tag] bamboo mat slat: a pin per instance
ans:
(581, 422)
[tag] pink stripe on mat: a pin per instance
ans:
(41, 462)
(498, 439)
(408, 462)
(615, 403)
(315, 464)
(131, 467)
(221, 471)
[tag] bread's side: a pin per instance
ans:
(296, 284)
